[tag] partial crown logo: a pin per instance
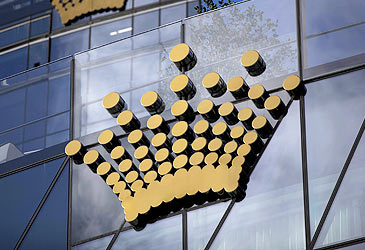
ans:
(183, 165)
(71, 10)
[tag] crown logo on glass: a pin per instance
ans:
(181, 164)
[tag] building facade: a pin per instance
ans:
(306, 189)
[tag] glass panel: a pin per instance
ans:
(139, 69)
(69, 44)
(145, 21)
(51, 223)
(191, 8)
(202, 223)
(13, 62)
(172, 14)
(22, 192)
(110, 32)
(56, 20)
(221, 37)
(13, 35)
(36, 101)
(40, 26)
(334, 112)
(58, 123)
(323, 15)
(346, 218)
(17, 8)
(354, 247)
(40, 5)
(12, 106)
(163, 234)
(96, 209)
(272, 214)
(59, 95)
(334, 50)
(139, 3)
(38, 54)
(99, 244)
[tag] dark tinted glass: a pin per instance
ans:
(171, 14)
(13, 35)
(34, 130)
(23, 192)
(12, 106)
(13, 62)
(36, 104)
(145, 22)
(59, 95)
(17, 8)
(38, 54)
(58, 123)
(334, 112)
(69, 44)
(40, 26)
(40, 5)
(110, 32)
(49, 230)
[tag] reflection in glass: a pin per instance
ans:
(145, 22)
(95, 208)
(169, 15)
(13, 35)
(38, 54)
(334, 112)
(191, 8)
(221, 37)
(69, 44)
(50, 224)
(23, 192)
(346, 218)
(202, 223)
(40, 26)
(99, 244)
(164, 234)
(36, 101)
(12, 107)
(17, 8)
(13, 62)
(110, 32)
(272, 214)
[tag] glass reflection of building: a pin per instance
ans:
(306, 191)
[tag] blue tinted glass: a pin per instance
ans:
(110, 32)
(14, 136)
(57, 138)
(12, 106)
(13, 35)
(163, 234)
(35, 130)
(99, 244)
(145, 22)
(202, 223)
(69, 44)
(22, 192)
(56, 20)
(36, 101)
(13, 62)
(59, 95)
(33, 145)
(323, 15)
(17, 8)
(51, 223)
(171, 14)
(334, 112)
(40, 26)
(40, 5)
(272, 214)
(191, 8)
(38, 54)
(58, 123)
(139, 3)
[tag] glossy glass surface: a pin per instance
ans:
(164, 234)
(17, 8)
(332, 105)
(145, 22)
(13, 62)
(38, 54)
(95, 208)
(13, 35)
(191, 8)
(272, 214)
(131, 67)
(139, 3)
(99, 244)
(69, 44)
(346, 218)
(40, 26)
(221, 37)
(202, 223)
(23, 192)
(49, 230)
(110, 32)
(172, 14)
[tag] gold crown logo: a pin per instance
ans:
(71, 10)
(190, 165)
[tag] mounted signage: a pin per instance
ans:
(71, 10)
(183, 166)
